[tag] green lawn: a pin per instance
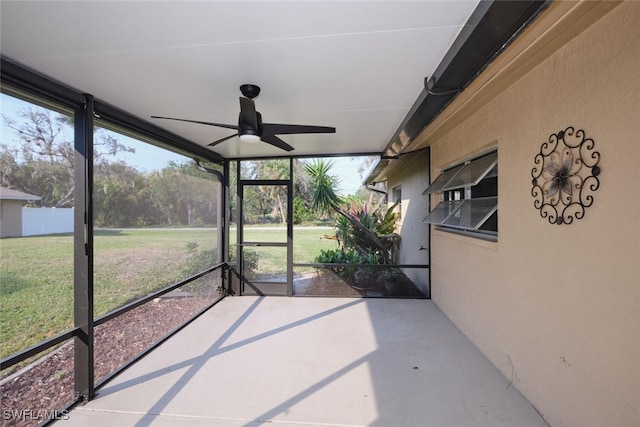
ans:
(36, 290)
(129, 264)
(36, 281)
(307, 244)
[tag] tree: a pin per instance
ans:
(183, 194)
(302, 182)
(47, 152)
(274, 169)
(121, 197)
(270, 200)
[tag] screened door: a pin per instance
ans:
(265, 242)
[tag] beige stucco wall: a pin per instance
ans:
(413, 178)
(557, 308)
(10, 218)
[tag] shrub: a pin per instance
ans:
(349, 256)
(250, 263)
(301, 212)
(197, 261)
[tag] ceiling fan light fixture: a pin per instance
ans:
(250, 138)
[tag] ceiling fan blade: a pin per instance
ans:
(277, 142)
(221, 140)
(248, 113)
(281, 129)
(222, 125)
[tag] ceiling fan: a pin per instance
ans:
(250, 127)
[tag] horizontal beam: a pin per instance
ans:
(24, 82)
(341, 265)
(32, 84)
(9, 361)
(140, 128)
(154, 295)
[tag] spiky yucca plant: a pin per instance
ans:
(360, 225)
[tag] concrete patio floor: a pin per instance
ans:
(281, 361)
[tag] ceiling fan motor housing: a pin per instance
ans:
(247, 128)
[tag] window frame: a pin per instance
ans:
(460, 210)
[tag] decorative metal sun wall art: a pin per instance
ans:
(565, 176)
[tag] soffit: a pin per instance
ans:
(357, 66)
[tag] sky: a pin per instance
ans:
(149, 158)
(346, 169)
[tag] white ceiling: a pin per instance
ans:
(357, 65)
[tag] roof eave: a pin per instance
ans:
(489, 30)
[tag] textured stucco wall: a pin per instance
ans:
(413, 178)
(557, 308)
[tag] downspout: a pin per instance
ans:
(214, 172)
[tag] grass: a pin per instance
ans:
(132, 263)
(36, 280)
(307, 244)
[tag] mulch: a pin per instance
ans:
(28, 396)
(365, 284)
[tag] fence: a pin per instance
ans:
(38, 221)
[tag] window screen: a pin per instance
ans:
(469, 196)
